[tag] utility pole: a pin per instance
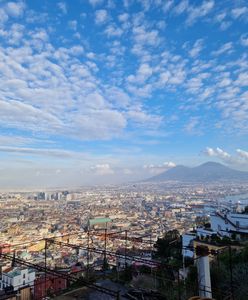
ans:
(125, 249)
(105, 248)
(88, 254)
(45, 267)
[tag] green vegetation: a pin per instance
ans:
(229, 269)
(220, 241)
(230, 273)
(169, 248)
(245, 211)
(201, 220)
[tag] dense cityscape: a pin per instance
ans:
(124, 222)
(142, 209)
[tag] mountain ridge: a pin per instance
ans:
(206, 172)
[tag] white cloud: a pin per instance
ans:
(127, 171)
(181, 7)
(95, 2)
(156, 169)
(194, 84)
(177, 76)
(167, 5)
(196, 49)
(196, 12)
(240, 160)
(244, 40)
(118, 97)
(225, 24)
(164, 78)
(20, 115)
(143, 73)
(14, 34)
(242, 79)
(226, 48)
(14, 140)
(193, 126)
(113, 31)
(15, 9)
(146, 4)
(161, 24)
(141, 118)
(72, 25)
(101, 16)
(59, 153)
(36, 17)
(221, 154)
(123, 17)
(224, 82)
(3, 16)
(243, 154)
(62, 6)
(102, 169)
(221, 18)
(75, 110)
(239, 11)
(143, 37)
(218, 152)
(52, 86)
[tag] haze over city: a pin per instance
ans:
(103, 91)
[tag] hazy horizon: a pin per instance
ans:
(104, 92)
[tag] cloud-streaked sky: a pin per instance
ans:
(95, 91)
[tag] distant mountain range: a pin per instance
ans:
(207, 172)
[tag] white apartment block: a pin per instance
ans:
(17, 278)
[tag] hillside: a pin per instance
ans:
(210, 171)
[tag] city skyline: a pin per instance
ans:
(99, 91)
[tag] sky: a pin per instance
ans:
(107, 91)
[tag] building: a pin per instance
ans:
(101, 222)
(230, 224)
(191, 239)
(50, 285)
(5, 248)
(187, 244)
(16, 278)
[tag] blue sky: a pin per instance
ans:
(104, 91)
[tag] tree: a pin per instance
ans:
(201, 220)
(169, 246)
(246, 210)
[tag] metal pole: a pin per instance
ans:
(45, 267)
(151, 248)
(88, 254)
(105, 248)
(125, 249)
(13, 260)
